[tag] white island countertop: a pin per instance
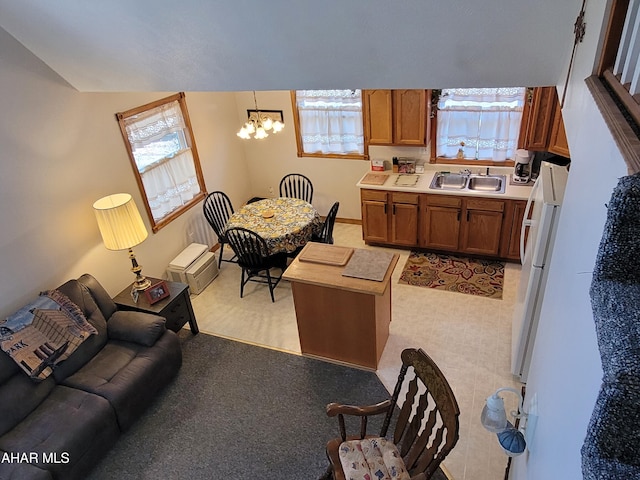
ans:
(513, 192)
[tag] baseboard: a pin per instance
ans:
(352, 221)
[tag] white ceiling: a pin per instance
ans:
(237, 45)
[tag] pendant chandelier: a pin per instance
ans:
(260, 122)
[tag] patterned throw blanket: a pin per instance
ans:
(44, 333)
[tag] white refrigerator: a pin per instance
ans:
(539, 228)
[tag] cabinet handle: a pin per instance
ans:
(385, 208)
(394, 209)
(458, 215)
(467, 215)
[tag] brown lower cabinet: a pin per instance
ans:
(441, 229)
(462, 224)
(390, 217)
(514, 214)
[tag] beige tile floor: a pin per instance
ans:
(469, 337)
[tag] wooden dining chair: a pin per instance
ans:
(254, 259)
(426, 428)
(326, 234)
(296, 185)
(217, 209)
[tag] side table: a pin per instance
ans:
(176, 308)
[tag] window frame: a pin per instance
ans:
(156, 225)
(299, 147)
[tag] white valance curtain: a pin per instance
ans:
(331, 121)
(487, 120)
(163, 157)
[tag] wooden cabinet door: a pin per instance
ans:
(375, 218)
(410, 117)
(481, 232)
(405, 209)
(540, 118)
(558, 143)
(482, 226)
(442, 228)
(514, 213)
(374, 221)
(378, 116)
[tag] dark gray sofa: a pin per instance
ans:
(59, 428)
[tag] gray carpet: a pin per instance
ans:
(237, 411)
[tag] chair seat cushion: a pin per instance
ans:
(372, 459)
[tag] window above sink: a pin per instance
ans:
(478, 126)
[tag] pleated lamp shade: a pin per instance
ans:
(119, 221)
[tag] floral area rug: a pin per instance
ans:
(454, 274)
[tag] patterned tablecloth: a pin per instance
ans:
(293, 222)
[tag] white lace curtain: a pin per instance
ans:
(331, 121)
(165, 161)
(486, 120)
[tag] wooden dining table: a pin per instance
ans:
(286, 224)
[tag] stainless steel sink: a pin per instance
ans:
(491, 183)
(462, 181)
(449, 181)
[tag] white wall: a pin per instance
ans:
(61, 151)
(565, 370)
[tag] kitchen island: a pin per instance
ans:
(340, 318)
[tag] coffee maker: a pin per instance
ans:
(522, 167)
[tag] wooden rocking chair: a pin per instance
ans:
(426, 428)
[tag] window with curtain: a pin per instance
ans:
(329, 123)
(164, 157)
(479, 124)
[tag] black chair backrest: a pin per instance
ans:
(296, 185)
(217, 210)
(326, 235)
(250, 247)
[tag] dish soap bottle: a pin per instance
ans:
(461, 150)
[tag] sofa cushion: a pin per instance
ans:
(137, 327)
(130, 375)
(11, 469)
(81, 296)
(102, 298)
(69, 431)
(19, 395)
(8, 368)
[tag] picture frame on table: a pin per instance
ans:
(156, 292)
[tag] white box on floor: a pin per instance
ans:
(202, 272)
(176, 272)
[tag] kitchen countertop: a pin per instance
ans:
(513, 192)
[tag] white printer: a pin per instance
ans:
(195, 266)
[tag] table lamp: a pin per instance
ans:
(122, 228)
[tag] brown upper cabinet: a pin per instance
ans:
(543, 127)
(397, 117)
(558, 143)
